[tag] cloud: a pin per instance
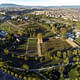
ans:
(43, 2)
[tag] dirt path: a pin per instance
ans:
(72, 43)
(39, 49)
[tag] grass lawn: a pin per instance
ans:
(5, 26)
(21, 48)
(32, 46)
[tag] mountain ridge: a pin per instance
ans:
(16, 5)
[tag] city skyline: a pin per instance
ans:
(42, 2)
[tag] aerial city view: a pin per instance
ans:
(39, 40)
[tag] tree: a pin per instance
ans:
(61, 69)
(68, 53)
(78, 51)
(25, 66)
(25, 78)
(77, 60)
(64, 55)
(2, 68)
(25, 58)
(9, 29)
(63, 32)
(73, 74)
(39, 35)
(61, 76)
(6, 51)
(34, 34)
(19, 57)
(57, 58)
(53, 28)
(9, 37)
(16, 75)
(30, 34)
(1, 64)
(74, 59)
(5, 70)
(66, 60)
(12, 55)
(20, 32)
(8, 72)
(20, 76)
(12, 73)
(59, 54)
(74, 52)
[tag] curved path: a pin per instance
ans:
(16, 26)
(47, 68)
(43, 69)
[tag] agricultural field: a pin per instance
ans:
(32, 46)
(54, 45)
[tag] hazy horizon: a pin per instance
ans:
(42, 2)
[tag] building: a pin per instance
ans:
(14, 17)
(77, 34)
(70, 36)
(3, 13)
(50, 22)
(2, 18)
(26, 18)
(3, 35)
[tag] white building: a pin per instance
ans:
(78, 34)
(14, 17)
(3, 13)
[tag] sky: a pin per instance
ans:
(42, 2)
